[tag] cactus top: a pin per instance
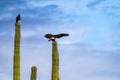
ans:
(34, 68)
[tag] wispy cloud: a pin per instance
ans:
(92, 5)
(112, 10)
(91, 52)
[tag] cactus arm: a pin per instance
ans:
(33, 73)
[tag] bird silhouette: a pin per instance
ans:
(52, 37)
(18, 18)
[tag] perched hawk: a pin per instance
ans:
(18, 18)
(53, 37)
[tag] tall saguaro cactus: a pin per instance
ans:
(55, 54)
(33, 73)
(16, 64)
(55, 61)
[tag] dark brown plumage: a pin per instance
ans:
(61, 35)
(18, 18)
(52, 37)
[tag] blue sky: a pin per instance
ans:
(91, 52)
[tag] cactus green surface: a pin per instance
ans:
(16, 64)
(55, 61)
(33, 73)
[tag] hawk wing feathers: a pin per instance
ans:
(61, 35)
(52, 37)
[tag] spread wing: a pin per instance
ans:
(52, 37)
(61, 35)
(49, 36)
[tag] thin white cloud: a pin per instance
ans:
(6, 16)
(79, 59)
(3, 33)
(78, 32)
(5, 76)
(28, 33)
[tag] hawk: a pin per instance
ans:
(18, 18)
(52, 37)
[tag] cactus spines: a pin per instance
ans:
(33, 73)
(16, 64)
(55, 61)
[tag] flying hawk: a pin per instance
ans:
(18, 18)
(52, 37)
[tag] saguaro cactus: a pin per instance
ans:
(16, 65)
(55, 61)
(55, 54)
(33, 73)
